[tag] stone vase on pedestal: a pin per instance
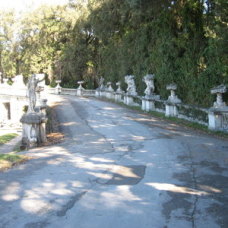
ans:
(109, 91)
(80, 89)
(171, 104)
(118, 93)
(58, 88)
(218, 114)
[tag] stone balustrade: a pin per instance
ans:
(216, 118)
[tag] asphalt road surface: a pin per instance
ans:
(118, 168)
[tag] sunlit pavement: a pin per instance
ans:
(118, 168)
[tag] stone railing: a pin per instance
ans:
(216, 118)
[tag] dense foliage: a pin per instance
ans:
(182, 41)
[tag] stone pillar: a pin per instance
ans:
(80, 89)
(128, 99)
(31, 129)
(150, 106)
(214, 120)
(58, 88)
(43, 106)
(118, 97)
(97, 92)
(42, 130)
(218, 111)
(109, 91)
(119, 92)
(143, 104)
(171, 104)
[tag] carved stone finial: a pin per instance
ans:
(80, 84)
(119, 90)
(219, 90)
(109, 87)
(173, 97)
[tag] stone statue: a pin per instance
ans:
(131, 88)
(32, 85)
(149, 80)
(101, 83)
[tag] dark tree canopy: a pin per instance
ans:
(181, 41)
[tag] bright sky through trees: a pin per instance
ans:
(23, 5)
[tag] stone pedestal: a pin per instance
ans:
(143, 104)
(148, 104)
(171, 110)
(80, 89)
(34, 129)
(58, 88)
(215, 120)
(109, 95)
(109, 91)
(97, 93)
(171, 104)
(118, 93)
(43, 107)
(128, 100)
(118, 97)
(79, 92)
(102, 93)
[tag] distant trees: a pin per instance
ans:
(182, 41)
(8, 43)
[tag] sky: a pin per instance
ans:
(23, 5)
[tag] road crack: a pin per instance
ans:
(70, 204)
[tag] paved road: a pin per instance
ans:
(118, 168)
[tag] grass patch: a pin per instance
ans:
(9, 160)
(7, 137)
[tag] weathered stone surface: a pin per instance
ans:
(173, 98)
(109, 87)
(31, 118)
(219, 89)
(58, 88)
(149, 80)
(101, 86)
(33, 87)
(171, 86)
(131, 88)
(119, 90)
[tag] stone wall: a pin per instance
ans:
(12, 101)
